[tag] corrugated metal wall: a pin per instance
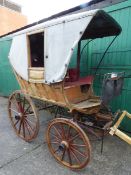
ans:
(118, 57)
(8, 81)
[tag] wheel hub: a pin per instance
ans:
(63, 145)
(17, 117)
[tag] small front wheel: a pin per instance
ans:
(23, 116)
(68, 143)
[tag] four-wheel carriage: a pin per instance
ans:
(40, 58)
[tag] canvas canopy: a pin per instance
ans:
(61, 35)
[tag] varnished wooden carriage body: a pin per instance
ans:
(69, 95)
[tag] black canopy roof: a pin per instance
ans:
(102, 25)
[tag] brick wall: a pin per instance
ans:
(10, 20)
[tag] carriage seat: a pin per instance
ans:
(74, 79)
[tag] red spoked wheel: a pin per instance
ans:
(68, 143)
(23, 116)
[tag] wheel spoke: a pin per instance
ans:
(74, 155)
(16, 104)
(27, 128)
(63, 131)
(14, 111)
(69, 156)
(16, 122)
(55, 136)
(31, 122)
(77, 145)
(27, 109)
(74, 137)
(56, 130)
(29, 114)
(79, 152)
(55, 142)
(19, 103)
(23, 129)
(55, 150)
(24, 103)
(63, 155)
(68, 132)
(29, 125)
(20, 127)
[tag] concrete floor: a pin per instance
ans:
(21, 158)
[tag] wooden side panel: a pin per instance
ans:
(75, 94)
(42, 91)
(57, 95)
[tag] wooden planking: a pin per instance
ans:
(74, 94)
(36, 73)
(87, 104)
(42, 91)
(58, 95)
(88, 110)
(57, 88)
(50, 92)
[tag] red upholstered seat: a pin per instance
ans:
(81, 81)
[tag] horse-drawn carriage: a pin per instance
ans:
(40, 57)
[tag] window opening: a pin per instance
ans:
(36, 42)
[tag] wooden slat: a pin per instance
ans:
(87, 104)
(34, 88)
(59, 95)
(123, 136)
(45, 92)
(40, 90)
(74, 94)
(50, 92)
(36, 74)
(120, 119)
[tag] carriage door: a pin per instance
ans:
(36, 56)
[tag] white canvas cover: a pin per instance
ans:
(18, 55)
(61, 35)
(60, 41)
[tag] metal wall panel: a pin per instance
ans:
(8, 82)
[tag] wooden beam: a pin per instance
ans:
(116, 131)
(120, 119)
(121, 135)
